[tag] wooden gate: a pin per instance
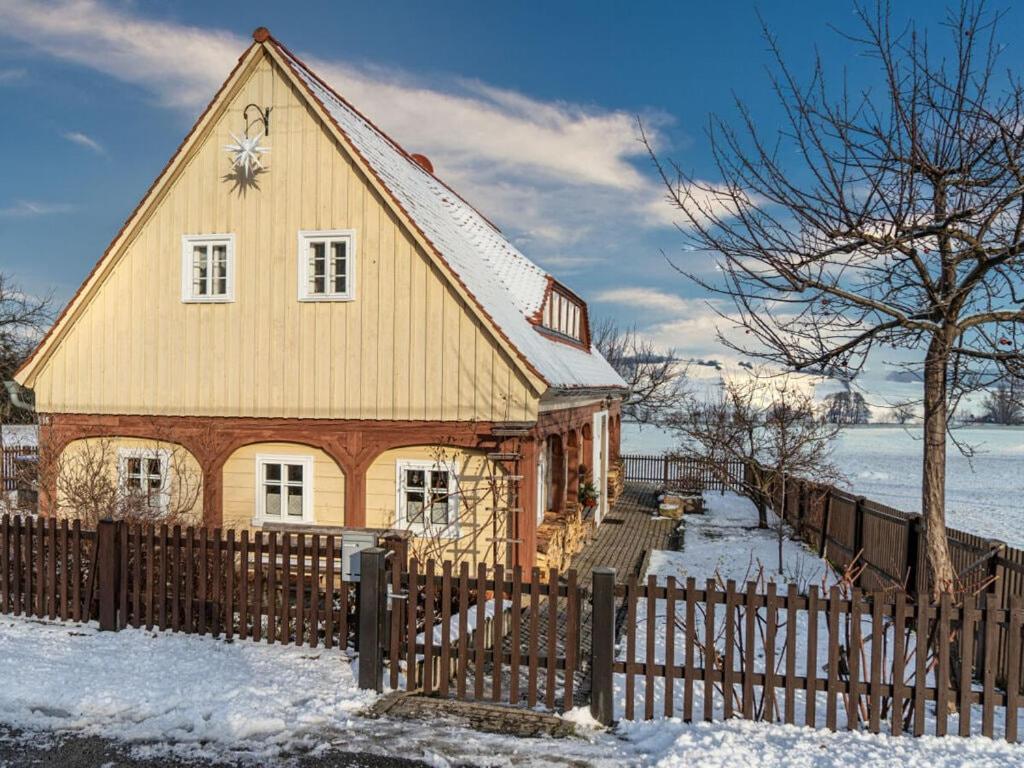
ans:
(493, 635)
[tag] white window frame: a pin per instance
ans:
(308, 487)
(451, 531)
(307, 236)
(188, 242)
(163, 455)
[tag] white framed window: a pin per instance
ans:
(143, 477)
(207, 268)
(327, 265)
(284, 489)
(427, 497)
(562, 314)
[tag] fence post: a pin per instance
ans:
(914, 585)
(826, 517)
(664, 471)
(372, 609)
(602, 650)
(858, 528)
(106, 571)
(997, 587)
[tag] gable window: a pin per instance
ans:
(326, 265)
(427, 498)
(284, 489)
(208, 268)
(142, 477)
(564, 315)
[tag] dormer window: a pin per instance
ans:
(565, 315)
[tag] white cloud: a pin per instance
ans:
(649, 299)
(24, 209)
(82, 140)
(12, 75)
(553, 172)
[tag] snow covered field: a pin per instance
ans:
(883, 462)
(206, 699)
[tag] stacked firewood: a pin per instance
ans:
(561, 536)
(616, 480)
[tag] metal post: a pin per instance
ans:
(602, 653)
(372, 609)
(106, 571)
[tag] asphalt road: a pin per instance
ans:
(18, 749)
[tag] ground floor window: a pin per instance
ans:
(143, 478)
(427, 498)
(284, 489)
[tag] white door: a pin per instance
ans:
(600, 464)
(542, 484)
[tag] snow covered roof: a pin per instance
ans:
(507, 286)
(19, 435)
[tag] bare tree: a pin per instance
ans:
(768, 426)
(22, 320)
(152, 482)
(1004, 404)
(846, 407)
(888, 217)
(904, 413)
(655, 379)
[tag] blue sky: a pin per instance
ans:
(527, 108)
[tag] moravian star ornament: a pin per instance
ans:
(246, 152)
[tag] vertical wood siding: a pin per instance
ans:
(407, 347)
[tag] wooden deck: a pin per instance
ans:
(623, 541)
(626, 535)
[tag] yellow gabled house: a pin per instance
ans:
(325, 334)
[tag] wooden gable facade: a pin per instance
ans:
(406, 369)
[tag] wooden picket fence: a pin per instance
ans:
(669, 470)
(47, 569)
(278, 587)
(849, 529)
(819, 660)
(488, 636)
(547, 640)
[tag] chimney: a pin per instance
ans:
(423, 162)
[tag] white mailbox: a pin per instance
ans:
(352, 543)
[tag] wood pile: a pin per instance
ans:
(616, 480)
(561, 536)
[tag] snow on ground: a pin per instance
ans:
(674, 744)
(883, 462)
(726, 544)
(203, 698)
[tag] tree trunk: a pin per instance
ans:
(762, 512)
(933, 480)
